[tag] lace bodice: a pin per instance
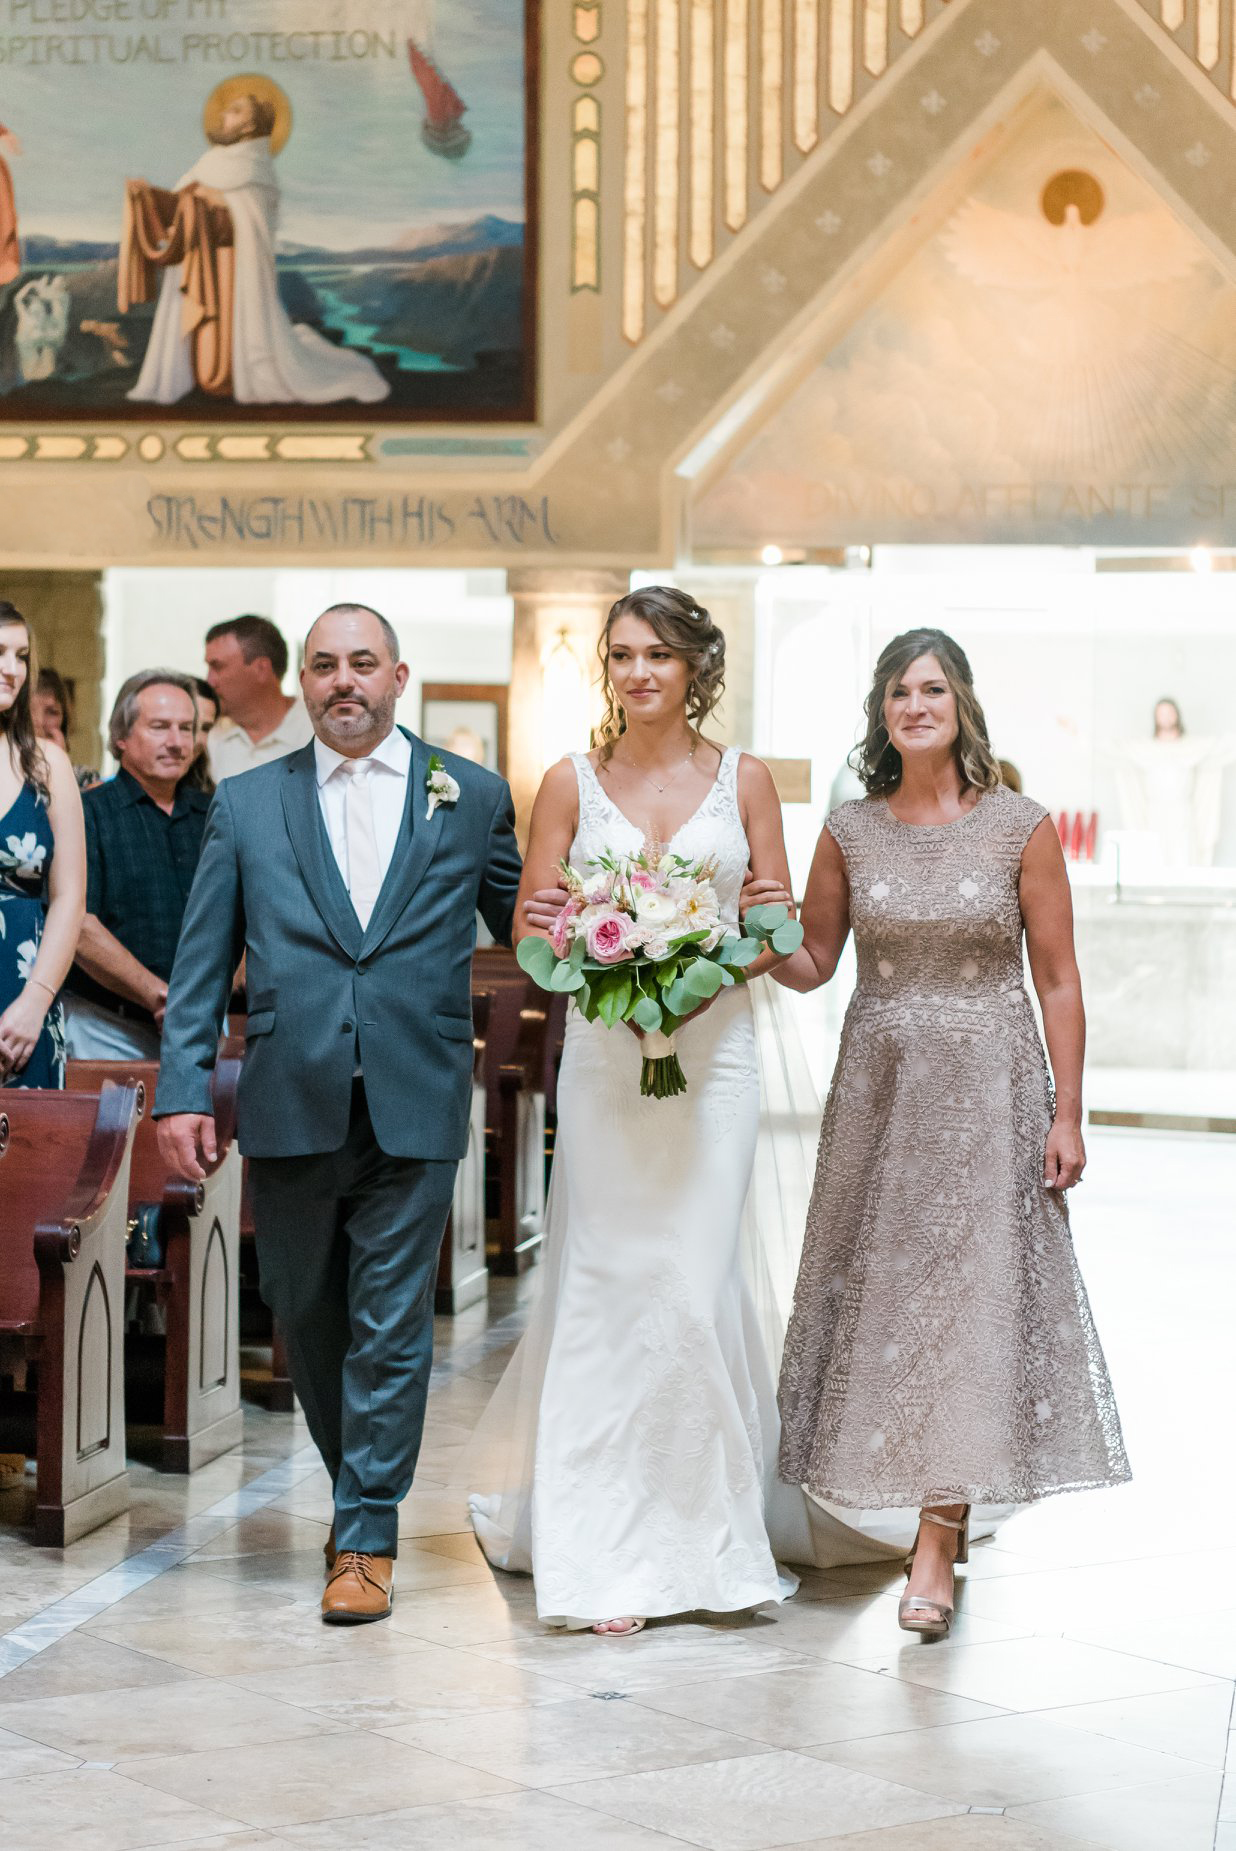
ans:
(715, 832)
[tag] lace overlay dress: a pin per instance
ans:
(636, 1416)
(941, 1346)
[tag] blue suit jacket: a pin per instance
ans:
(318, 986)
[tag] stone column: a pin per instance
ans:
(65, 610)
(547, 603)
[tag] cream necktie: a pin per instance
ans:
(364, 867)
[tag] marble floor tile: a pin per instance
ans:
(463, 1546)
(1200, 1642)
(79, 1663)
(166, 1720)
(266, 1531)
(190, 1589)
(233, 1841)
(1190, 1723)
(854, 1630)
(478, 1615)
(1179, 1815)
(428, 1685)
(1225, 1836)
(315, 1777)
(757, 1801)
(21, 1755)
(963, 1832)
(1005, 1761)
(93, 1810)
(1033, 1674)
(1064, 1599)
(434, 1514)
(578, 1740)
(664, 1654)
(218, 1645)
(820, 1703)
(527, 1821)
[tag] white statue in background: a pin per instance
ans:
(1171, 788)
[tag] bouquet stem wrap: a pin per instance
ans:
(662, 1076)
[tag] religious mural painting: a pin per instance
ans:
(209, 208)
(1055, 361)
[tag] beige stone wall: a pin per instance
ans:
(672, 355)
(65, 610)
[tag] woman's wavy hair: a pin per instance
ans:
(683, 626)
(878, 762)
(17, 722)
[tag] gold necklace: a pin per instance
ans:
(648, 777)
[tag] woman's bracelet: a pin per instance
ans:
(40, 985)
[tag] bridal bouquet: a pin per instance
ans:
(641, 940)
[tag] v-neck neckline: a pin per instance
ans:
(698, 811)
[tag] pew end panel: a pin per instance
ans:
(63, 1222)
(198, 1284)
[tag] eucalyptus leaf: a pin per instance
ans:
(787, 937)
(740, 951)
(536, 956)
(703, 979)
(566, 979)
(647, 1014)
(679, 1000)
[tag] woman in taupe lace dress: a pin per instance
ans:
(941, 1350)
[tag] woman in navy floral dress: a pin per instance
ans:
(42, 874)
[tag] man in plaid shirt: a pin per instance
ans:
(144, 832)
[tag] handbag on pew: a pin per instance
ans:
(144, 1246)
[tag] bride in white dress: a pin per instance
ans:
(633, 1437)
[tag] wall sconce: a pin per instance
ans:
(566, 702)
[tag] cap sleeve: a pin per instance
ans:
(1025, 815)
(840, 826)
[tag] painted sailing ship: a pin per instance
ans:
(442, 130)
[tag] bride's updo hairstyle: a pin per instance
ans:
(878, 762)
(683, 626)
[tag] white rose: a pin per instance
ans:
(654, 908)
(598, 886)
(656, 946)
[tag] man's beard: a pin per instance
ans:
(375, 718)
(227, 138)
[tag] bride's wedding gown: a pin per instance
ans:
(634, 1428)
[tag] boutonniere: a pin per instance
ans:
(440, 786)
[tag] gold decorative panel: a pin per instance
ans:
(586, 70)
(724, 101)
(1206, 30)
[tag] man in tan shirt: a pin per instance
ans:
(246, 660)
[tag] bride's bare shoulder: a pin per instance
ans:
(560, 786)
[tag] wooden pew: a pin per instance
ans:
(463, 1275)
(198, 1283)
(63, 1213)
(515, 1065)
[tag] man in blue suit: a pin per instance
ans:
(349, 874)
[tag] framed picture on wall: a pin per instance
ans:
(468, 718)
(271, 216)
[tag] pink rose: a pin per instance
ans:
(560, 933)
(607, 939)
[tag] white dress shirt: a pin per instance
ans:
(391, 764)
(230, 748)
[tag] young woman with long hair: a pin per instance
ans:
(42, 873)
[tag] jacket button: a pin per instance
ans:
(345, 1028)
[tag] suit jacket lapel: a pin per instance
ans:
(312, 848)
(414, 850)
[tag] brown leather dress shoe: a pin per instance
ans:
(359, 1588)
